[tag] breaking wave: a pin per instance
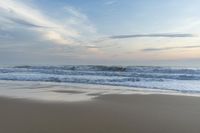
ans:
(185, 80)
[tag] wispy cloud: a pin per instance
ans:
(79, 20)
(24, 22)
(167, 35)
(152, 35)
(58, 32)
(110, 2)
(170, 48)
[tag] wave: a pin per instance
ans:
(167, 78)
(136, 72)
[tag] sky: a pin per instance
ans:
(100, 32)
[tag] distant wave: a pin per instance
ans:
(167, 78)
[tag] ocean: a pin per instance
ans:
(180, 80)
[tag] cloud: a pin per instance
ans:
(167, 35)
(24, 22)
(5, 36)
(79, 20)
(110, 2)
(16, 12)
(169, 48)
(92, 46)
(73, 11)
(153, 35)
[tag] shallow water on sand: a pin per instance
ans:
(68, 92)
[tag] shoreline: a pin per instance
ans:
(73, 92)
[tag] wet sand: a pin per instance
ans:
(105, 114)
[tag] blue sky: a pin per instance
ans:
(124, 32)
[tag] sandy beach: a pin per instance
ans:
(99, 66)
(105, 114)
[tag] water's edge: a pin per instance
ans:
(180, 80)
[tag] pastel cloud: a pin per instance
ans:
(17, 13)
(170, 48)
(166, 35)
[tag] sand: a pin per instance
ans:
(105, 114)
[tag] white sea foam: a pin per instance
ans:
(151, 79)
